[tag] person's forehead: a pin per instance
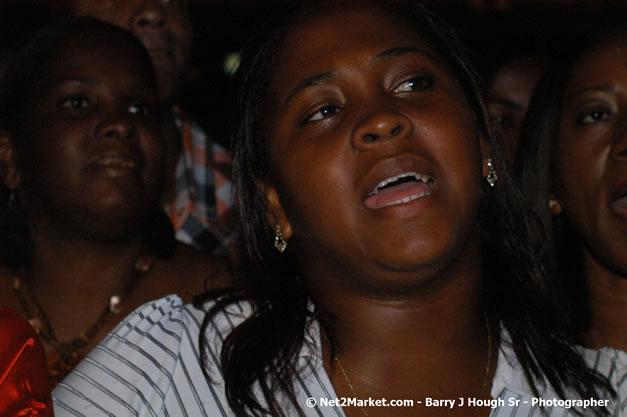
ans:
(613, 46)
(100, 45)
(319, 37)
(610, 52)
(329, 41)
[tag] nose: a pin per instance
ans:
(150, 15)
(119, 128)
(380, 127)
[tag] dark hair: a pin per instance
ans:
(18, 77)
(562, 250)
(516, 291)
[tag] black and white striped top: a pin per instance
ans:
(149, 365)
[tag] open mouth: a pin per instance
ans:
(619, 201)
(399, 189)
(117, 162)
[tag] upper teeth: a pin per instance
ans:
(420, 177)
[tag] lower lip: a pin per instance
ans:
(113, 170)
(619, 207)
(118, 171)
(417, 204)
(411, 208)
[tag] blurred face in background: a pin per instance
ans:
(590, 156)
(88, 142)
(164, 28)
(510, 92)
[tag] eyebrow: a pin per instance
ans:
(400, 51)
(607, 88)
(571, 96)
(388, 53)
(308, 82)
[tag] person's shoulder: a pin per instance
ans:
(606, 360)
(164, 314)
(151, 364)
(611, 363)
(132, 367)
(510, 384)
(153, 330)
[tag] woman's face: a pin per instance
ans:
(162, 26)
(89, 147)
(591, 152)
(509, 97)
(374, 147)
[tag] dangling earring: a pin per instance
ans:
(279, 242)
(552, 203)
(491, 178)
(555, 206)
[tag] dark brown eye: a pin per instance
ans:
(74, 102)
(593, 116)
(418, 83)
(322, 113)
(139, 108)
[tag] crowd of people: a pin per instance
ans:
(386, 225)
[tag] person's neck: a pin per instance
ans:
(73, 279)
(413, 343)
(607, 304)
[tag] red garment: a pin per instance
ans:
(24, 389)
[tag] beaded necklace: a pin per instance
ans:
(66, 354)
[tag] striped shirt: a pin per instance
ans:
(150, 366)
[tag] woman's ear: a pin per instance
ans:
(8, 161)
(275, 214)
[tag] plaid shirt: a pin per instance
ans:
(200, 211)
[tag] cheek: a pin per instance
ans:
(53, 149)
(317, 194)
(457, 148)
(181, 37)
(579, 167)
(567, 180)
(180, 29)
(579, 188)
(50, 170)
